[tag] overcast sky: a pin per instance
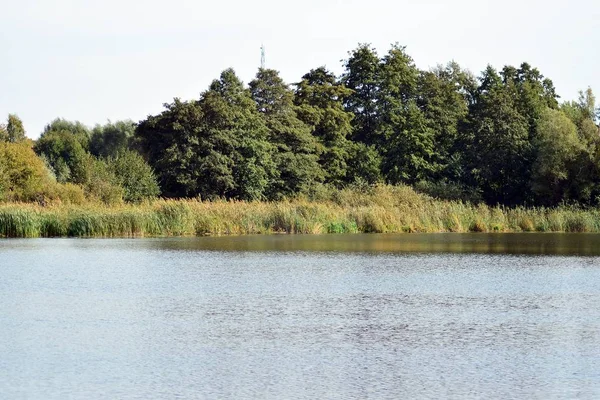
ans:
(119, 59)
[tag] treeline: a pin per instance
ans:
(501, 138)
(73, 164)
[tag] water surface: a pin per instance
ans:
(301, 317)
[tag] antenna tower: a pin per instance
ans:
(262, 56)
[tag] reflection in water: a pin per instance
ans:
(349, 317)
(502, 243)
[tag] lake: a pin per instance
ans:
(301, 317)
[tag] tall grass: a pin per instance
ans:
(380, 209)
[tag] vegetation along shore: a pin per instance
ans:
(380, 209)
(383, 147)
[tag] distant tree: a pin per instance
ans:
(558, 147)
(364, 164)
(445, 94)
(14, 129)
(23, 175)
(584, 181)
(362, 77)
(75, 128)
(112, 138)
(3, 133)
(408, 152)
(296, 150)
(500, 151)
(169, 141)
(583, 113)
(99, 181)
(63, 151)
(320, 98)
(214, 147)
(134, 175)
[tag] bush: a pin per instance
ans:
(23, 175)
(135, 176)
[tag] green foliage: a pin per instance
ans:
(112, 138)
(135, 176)
(295, 157)
(364, 164)
(362, 77)
(502, 138)
(319, 98)
(169, 143)
(500, 148)
(408, 152)
(14, 129)
(77, 129)
(214, 147)
(3, 133)
(24, 177)
(99, 181)
(64, 152)
(445, 94)
(558, 147)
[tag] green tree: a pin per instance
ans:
(583, 114)
(558, 148)
(500, 151)
(296, 156)
(320, 99)
(134, 175)
(214, 147)
(75, 128)
(99, 181)
(112, 138)
(23, 175)
(445, 94)
(169, 142)
(362, 77)
(364, 164)
(3, 133)
(409, 143)
(585, 179)
(14, 129)
(63, 151)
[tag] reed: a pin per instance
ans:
(379, 209)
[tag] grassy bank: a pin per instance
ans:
(381, 209)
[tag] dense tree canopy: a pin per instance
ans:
(319, 100)
(502, 137)
(214, 147)
(296, 149)
(112, 138)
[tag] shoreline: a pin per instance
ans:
(188, 218)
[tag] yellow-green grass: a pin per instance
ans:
(382, 209)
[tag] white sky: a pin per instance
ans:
(115, 59)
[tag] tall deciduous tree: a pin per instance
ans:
(214, 147)
(558, 147)
(63, 145)
(319, 98)
(445, 94)
(362, 76)
(296, 154)
(112, 138)
(14, 129)
(500, 150)
(408, 141)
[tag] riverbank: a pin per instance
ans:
(381, 209)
